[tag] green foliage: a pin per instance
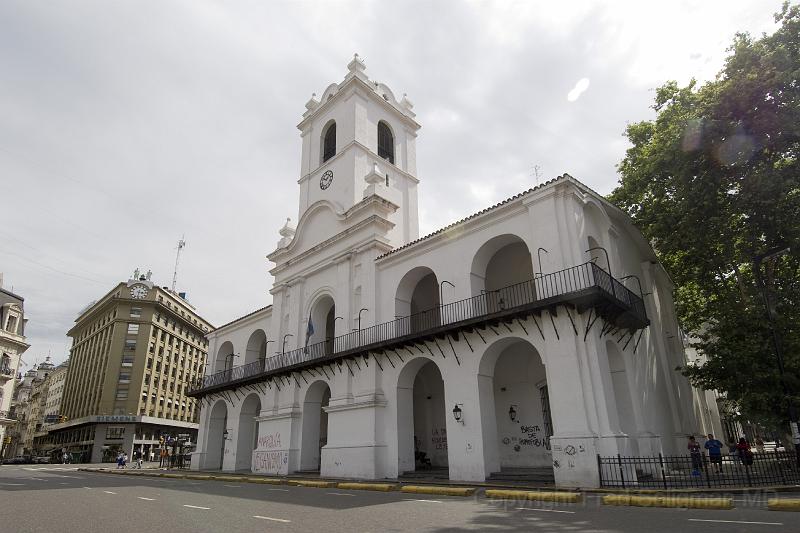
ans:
(714, 181)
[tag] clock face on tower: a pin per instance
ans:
(326, 180)
(138, 292)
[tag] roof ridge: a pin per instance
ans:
(564, 176)
(251, 313)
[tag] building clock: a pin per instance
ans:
(138, 292)
(326, 180)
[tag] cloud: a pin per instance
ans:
(125, 125)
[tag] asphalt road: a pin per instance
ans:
(58, 498)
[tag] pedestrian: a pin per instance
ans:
(744, 452)
(714, 448)
(65, 458)
(152, 456)
(163, 462)
(119, 460)
(137, 459)
(759, 444)
(696, 454)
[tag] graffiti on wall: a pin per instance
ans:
(269, 442)
(531, 437)
(439, 439)
(275, 462)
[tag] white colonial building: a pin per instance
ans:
(526, 339)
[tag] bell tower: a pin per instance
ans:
(359, 140)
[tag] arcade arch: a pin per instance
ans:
(323, 322)
(515, 406)
(256, 347)
(499, 268)
(217, 433)
(417, 301)
(314, 426)
(247, 434)
(225, 356)
(421, 417)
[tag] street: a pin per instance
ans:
(46, 498)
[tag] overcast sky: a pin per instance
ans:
(125, 125)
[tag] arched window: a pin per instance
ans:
(329, 142)
(385, 142)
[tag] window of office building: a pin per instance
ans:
(136, 312)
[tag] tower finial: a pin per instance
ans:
(356, 68)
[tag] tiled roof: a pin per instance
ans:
(240, 318)
(474, 215)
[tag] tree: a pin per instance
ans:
(714, 181)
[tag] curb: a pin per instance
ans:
(264, 480)
(382, 487)
(314, 484)
(198, 476)
(780, 504)
(228, 478)
(443, 491)
(559, 497)
(662, 501)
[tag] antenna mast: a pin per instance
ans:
(181, 244)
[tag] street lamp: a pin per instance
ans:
(359, 317)
(608, 263)
(441, 290)
(512, 413)
(458, 412)
(638, 282)
(776, 339)
(539, 255)
(231, 355)
(283, 347)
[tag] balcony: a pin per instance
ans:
(582, 287)
(6, 373)
(7, 418)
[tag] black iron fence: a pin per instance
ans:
(553, 286)
(685, 471)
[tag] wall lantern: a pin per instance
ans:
(225, 434)
(457, 412)
(512, 413)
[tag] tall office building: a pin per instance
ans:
(134, 352)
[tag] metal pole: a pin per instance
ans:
(441, 293)
(776, 342)
(638, 282)
(539, 255)
(283, 348)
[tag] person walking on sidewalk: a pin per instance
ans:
(714, 448)
(696, 454)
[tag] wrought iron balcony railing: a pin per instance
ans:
(6, 371)
(7, 415)
(583, 286)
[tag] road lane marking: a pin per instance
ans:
(109, 492)
(232, 486)
(280, 490)
(12, 484)
(64, 483)
(339, 494)
(736, 522)
(426, 501)
(544, 510)
(196, 507)
(283, 520)
(148, 499)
